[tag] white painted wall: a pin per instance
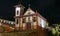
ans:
(39, 21)
(29, 11)
(21, 22)
(30, 19)
(35, 25)
(43, 23)
(0, 24)
(24, 26)
(26, 19)
(16, 25)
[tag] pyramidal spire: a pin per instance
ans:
(19, 4)
(19, 1)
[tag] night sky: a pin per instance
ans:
(49, 9)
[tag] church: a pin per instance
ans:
(24, 20)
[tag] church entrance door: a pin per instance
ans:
(28, 25)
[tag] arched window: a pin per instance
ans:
(24, 19)
(34, 19)
(28, 19)
(17, 12)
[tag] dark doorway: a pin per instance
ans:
(28, 25)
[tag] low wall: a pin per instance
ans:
(24, 33)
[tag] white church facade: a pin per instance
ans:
(28, 19)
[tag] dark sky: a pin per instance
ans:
(50, 9)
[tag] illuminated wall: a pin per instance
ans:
(43, 23)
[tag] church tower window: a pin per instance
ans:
(17, 12)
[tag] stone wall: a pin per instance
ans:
(24, 33)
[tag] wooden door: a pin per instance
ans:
(28, 26)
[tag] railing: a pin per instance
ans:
(6, 21)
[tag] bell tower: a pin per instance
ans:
(19, 9)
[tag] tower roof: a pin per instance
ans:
(19, 4)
